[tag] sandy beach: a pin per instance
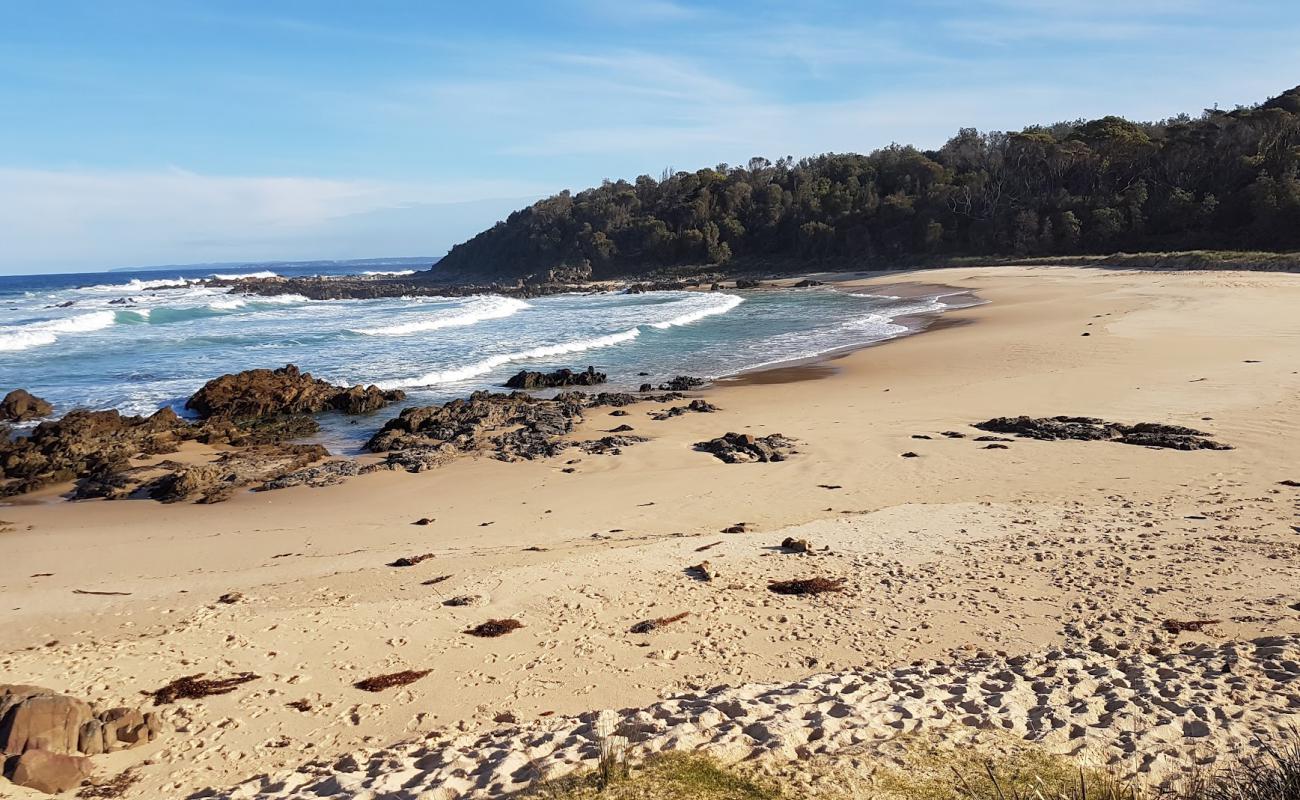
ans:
(962, 555)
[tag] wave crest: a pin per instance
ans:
(37, 334)
(478, 310)
(488, 364)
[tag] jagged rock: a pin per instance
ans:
(682, 383)
(83, 443)
(215, 482)
(328, 474)
(48, 772)
(21, 405)
(700, 406)
(740, 448)
(420, 459)
(259, 393)
(525, 379)
(508, 426)
(610, 445)
(1148, 434)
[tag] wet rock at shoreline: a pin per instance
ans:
(741, 448)
(682, 383)
(1147, 434)
(259, 393)
(525, 379)
(21, 405)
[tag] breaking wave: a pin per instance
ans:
(478, 310)
(488, 364)
(37, 334)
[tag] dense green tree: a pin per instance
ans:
(1225, 179)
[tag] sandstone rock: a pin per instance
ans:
(21, 405)
(34, 718)
(48, 772)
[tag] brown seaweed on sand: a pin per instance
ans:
(808, 586)
(495, 627)
(193, 687)
(438, 579)
(1192, 626)
(410, 561)
(707, 547)
(649, 625)
(381, 682)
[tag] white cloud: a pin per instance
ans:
(78, 219)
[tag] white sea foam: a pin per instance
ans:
(488, 364)
(227, 304)
(718, 304)
(36, 334)
(389, 272)
(137, 285)
(240, 275)
(477, 310)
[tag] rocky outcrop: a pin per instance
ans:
(21, 405)
(525, 379)
(47, 737)
(508, 426)
(218, 481)
(85, 443)
(1146, 434)
(260, 393)
(682, 383)
(697, 405)
(741, 448)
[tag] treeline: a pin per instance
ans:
(1225, 179)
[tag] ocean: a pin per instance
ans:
(137, 341)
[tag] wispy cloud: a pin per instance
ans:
(58, 218)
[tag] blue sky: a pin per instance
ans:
(167, 132)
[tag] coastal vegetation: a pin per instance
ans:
(1222, 179)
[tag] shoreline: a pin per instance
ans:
(959, 548)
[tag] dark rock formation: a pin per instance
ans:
(682, 383)
(525, 379)
(508, 426)
(85, 443)
(740, 448)
(610, 445)
(260, 393)
(217, 481)
(21, 405)
(699, 406)
(807, 283)
(1147, 434)
(47, 737)
(747, 283)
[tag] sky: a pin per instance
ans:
(179, 131)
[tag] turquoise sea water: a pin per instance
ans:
(139, 341)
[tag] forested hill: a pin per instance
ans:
(1224, 179)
